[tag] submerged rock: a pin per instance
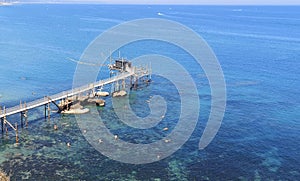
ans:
(82, 98)
(76, 111)
(99, 102)
(77, 106)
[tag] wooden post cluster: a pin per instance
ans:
(24, 114)
(4, 124)
(47, 110)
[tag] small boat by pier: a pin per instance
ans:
(101, 94)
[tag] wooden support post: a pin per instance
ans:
(45, 111)
(49, 109)
(136, 82)
(93, 92)
(117, 86)
(67, 102)
(6, 130)
(16, 126)
(131, 77)
(1, 120)
(147, 81)
(123, 84)
(22, 116)
(26, 115)
(26, 118)
(5, 126)
(2, 125)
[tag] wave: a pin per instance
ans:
(4, 19)
(267, 18)
(160, 14)
(167, 15)
(192, 14)
(256, 36)
(237, 10)
(243, 83)
(55, 49)
(91, 30)
(97, 19)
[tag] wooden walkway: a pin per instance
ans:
(139, 72)
(124, 72)
(63, 95)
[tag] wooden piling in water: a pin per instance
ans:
(45, 111)
(25, 114)
(4, 118)
(2, 125)
(16, 130)
(131, 77)
(136, 82)
(2, 129)
(49, 109)
(22, 116)
(5, 127)
(123, 84)
(26, 118)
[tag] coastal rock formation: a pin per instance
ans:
(76, 111)
(99, 102)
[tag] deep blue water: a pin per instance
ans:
(257, 47)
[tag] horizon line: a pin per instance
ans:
(156, 2)
(153, 4)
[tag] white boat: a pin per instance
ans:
(119, 93)
(101, 93)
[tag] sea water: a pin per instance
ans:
(258, 48)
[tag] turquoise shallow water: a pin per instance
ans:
(258, 49)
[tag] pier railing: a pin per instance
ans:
(62, 95)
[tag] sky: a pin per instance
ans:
(200, 2)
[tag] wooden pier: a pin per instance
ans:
(124, 72)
